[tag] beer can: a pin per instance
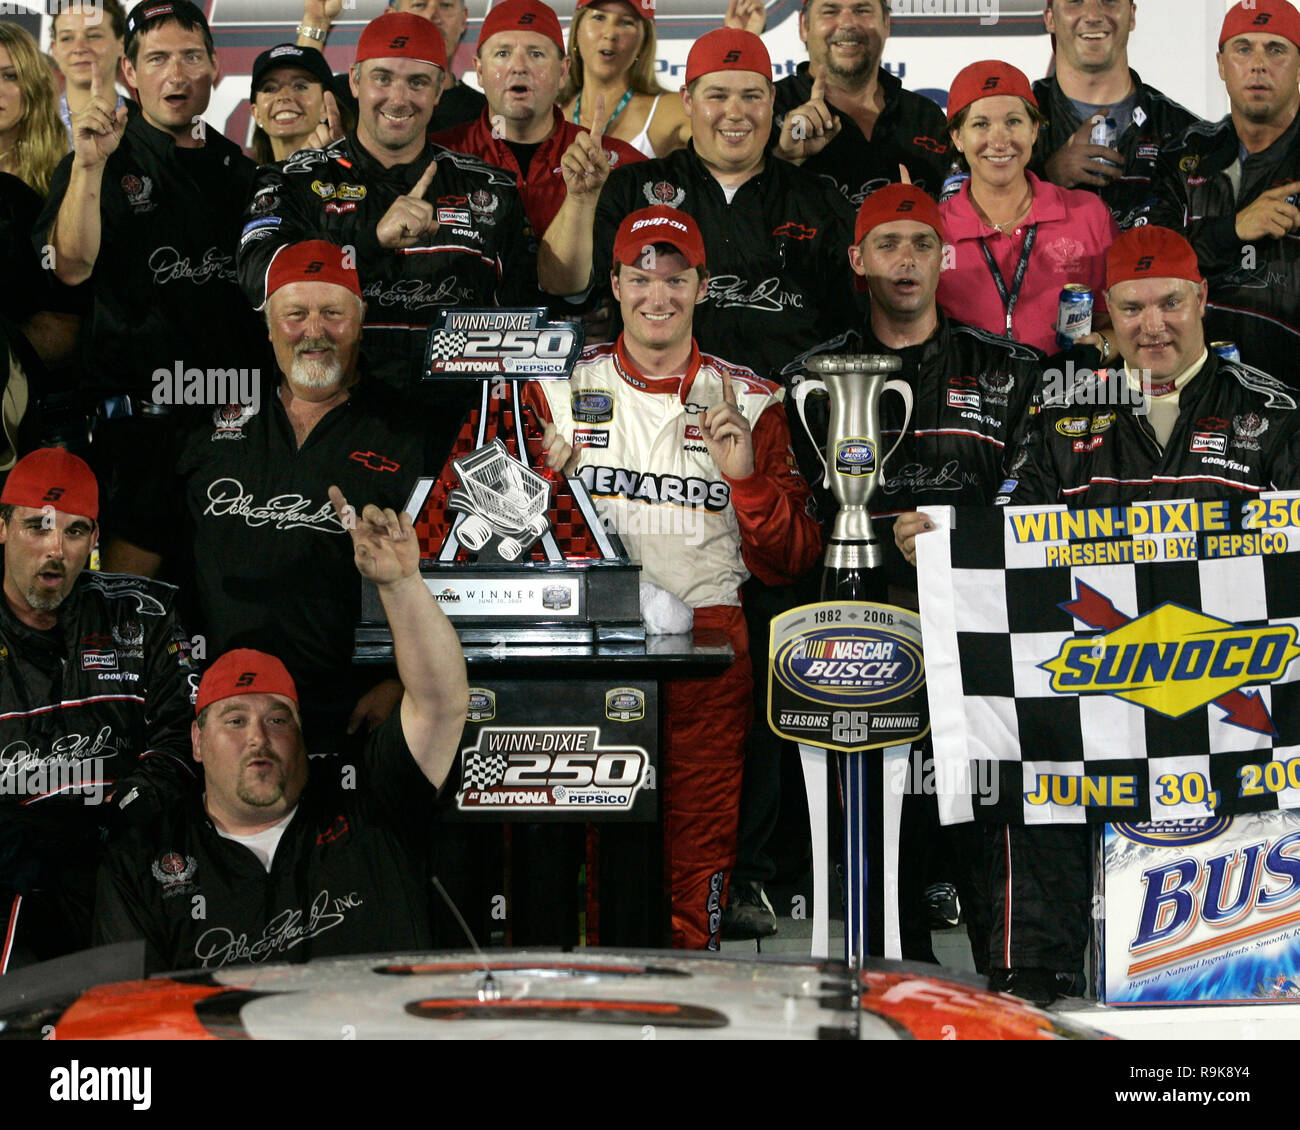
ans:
(1226, 349)
(1073, 315)
(952, 185)
(1105, 131)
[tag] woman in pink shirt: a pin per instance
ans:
(1016, 240)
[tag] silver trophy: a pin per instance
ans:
(853, 463)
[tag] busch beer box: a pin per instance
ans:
(1205, 909)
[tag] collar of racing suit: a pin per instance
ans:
(368, 169)
(672, 386)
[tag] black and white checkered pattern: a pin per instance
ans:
(447, 345)
(482, 770)
(991, 615)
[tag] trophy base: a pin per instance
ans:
(599, 603)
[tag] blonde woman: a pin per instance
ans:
(32, 139)
(612, 54)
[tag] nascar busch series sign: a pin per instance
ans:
(847, 675)
(501, 342)
(1203, 909)
(583, 750)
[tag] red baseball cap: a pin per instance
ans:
(1150, 252)
(314, 260)
(51, 476)
(402, 35)
(1261, 17)
(987, 79)
(522, 15)
(896, 202)
(643, 8)
(727, 49)
(660, 224)
(244, 671)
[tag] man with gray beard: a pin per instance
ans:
(257, 549)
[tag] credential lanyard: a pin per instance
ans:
(1011, 297)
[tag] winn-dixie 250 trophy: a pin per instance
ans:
(514, 552)
(542, 596)
(848, 675)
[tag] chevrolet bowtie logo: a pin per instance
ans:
(1172, 660)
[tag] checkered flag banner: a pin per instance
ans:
(447, 345)
(482, 770)
(1133, 663)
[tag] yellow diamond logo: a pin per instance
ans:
(1173, 660)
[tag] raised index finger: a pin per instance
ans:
(96, 84)
(728, 389)
(331, 113)
(598, 123)
(818, 86)
(426, 179)
(345, 513)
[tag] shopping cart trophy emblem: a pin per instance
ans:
(513, 551)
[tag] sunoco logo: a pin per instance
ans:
(1172, 660)
(865, 666)
(1175, 833)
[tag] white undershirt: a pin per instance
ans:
(262, 844)
(1162, 411)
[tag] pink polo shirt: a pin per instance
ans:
(1075, 229)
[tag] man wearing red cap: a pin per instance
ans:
(775, 234)
(691, 464)
(95, 693)
(521, 66)
(1174, 421)
(1233, 187)
(1092, 79)
(287, 868)
(972, 394)
(146, 210)
(845, 118)
(249, 533)
(426, 228)
(458, 103)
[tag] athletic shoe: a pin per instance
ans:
(748, 914)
